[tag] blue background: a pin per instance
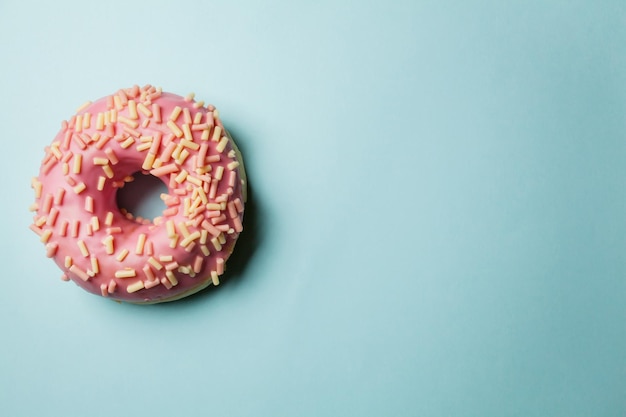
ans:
(437, 224)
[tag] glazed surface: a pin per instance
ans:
(107, 251)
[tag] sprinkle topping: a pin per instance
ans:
(182, 142)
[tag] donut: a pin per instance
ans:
(107, 250)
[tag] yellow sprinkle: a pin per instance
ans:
(68, 261)
(156, 110)
(134, 287)
(45, 236)
(219, 172)
(37, 186)
(56, 152)
(216, 244)
(175, 113)
(186, 206)
(176, 153)
(118, 102)
(171, 277)
(143, 146)
(83, 248)
(98, 160)
(113, 159)
(100, 121)
(185, 270)
(141, 242)
(86, 120)
(205, 250)
(125, 273)
(203, 170)
(187, 132)
(232, 165)
(83, 106)
(95, 265)
(113, 116)
(122, 255)
(155, 263)
(186, 241)
(79, 188)
(149, 161)
(78, 163)
(108, 245)
(132, 109)
(196, 202)
(127, 143)
(108, 220)
(174, 128)
(182, 157)
(108, 171)
(101, 181)
(215, 278)
(182, 227)
(181, 176)
(146, 111)
(166, 258)
(171, 231)
(89, 204)
(128, 122)
(217, 133)
(222, 144)
(78, 124)
(95, 223)
(205, 134)
(189, 144)
(202, 195)
(195, 181)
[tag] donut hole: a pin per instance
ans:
(141, 198)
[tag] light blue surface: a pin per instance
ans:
(438, 223)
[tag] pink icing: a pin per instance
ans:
(212, 222)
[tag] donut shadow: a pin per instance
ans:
(247, 243)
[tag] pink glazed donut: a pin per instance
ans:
(108, 251)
